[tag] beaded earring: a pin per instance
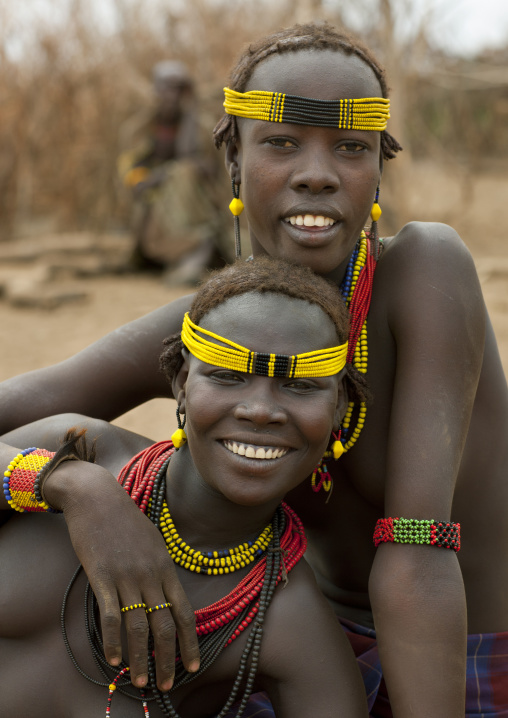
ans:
(179, 437)
(321, 477)
(236, 206)
(375, 214)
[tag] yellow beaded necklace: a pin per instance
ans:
(212, 562)
(361, 352)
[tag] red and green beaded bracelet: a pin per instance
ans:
(442, 534)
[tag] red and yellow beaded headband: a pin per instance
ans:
(323, 362)
(367, 113)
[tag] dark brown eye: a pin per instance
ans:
(281, 142)
(350, 147)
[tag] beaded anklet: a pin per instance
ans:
(442, 534)
(22, 480)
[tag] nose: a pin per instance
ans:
(316, 171)
(261, 407)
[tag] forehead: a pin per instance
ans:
(320, 74)
(272, 323)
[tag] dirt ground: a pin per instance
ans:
(34, 338)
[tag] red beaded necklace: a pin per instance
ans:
(138, 477)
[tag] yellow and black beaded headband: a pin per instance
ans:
(367, 113)
(323, 362)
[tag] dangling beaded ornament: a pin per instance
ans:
(375, 214)
(179, 437)
(236, 206)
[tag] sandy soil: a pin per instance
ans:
(34, 338)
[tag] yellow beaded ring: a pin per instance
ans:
(158, 608)
(131, 608)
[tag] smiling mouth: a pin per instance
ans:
(310, 220)
(251, 451)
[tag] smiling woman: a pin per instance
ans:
(438, 421)
(251, 435)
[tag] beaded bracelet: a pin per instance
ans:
(442, 534)
(22, 480)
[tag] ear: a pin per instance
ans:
(342, 401)
(233, 160)
(180, 381)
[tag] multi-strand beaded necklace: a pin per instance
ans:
(356, 290)
(274, 553)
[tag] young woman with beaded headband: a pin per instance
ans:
(430, 446)
(236, 546)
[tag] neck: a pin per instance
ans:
(205, 518)
(336, 275)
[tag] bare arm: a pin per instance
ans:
(113, 375)
(307, 664)
(122, 552)
(437, 319)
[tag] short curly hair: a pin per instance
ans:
(274, 276)
(310, 36)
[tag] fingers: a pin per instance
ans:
(110, 624)
(136, 624)
(185, 620)
(156, 613)
(164, 637)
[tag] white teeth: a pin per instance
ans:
(255, 452)
(310, 220)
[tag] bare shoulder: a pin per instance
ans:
(307, 665)
(426, 260)
(417, 240)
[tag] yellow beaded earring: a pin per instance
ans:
(236, 206)
(375, 214)
(179, 437)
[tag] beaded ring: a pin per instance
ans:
(157, 608)
(442, 534)
(131, 608)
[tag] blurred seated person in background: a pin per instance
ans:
(175, 221)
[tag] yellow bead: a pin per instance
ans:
(338, 449)
(236, 206)
(179, 438)
(375, 212)
(112, 687)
